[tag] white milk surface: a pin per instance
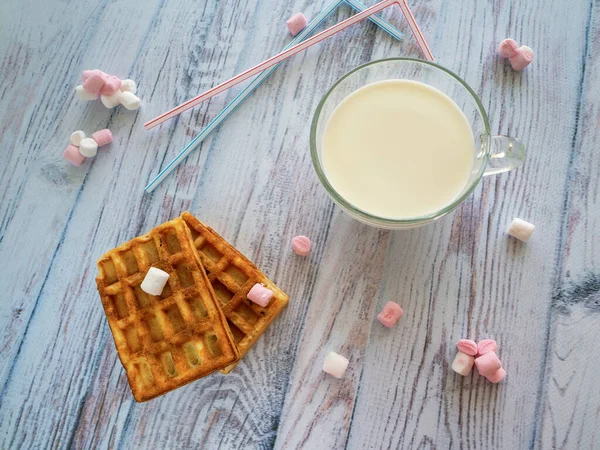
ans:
(398, 149)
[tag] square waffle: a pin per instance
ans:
(232, 276)
(169, 340)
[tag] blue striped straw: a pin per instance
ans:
(355, 4)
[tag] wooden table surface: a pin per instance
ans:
(61, 383)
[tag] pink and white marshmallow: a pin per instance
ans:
(112, 90)
(486, 346)
(488, 364)
(154, 281)
(390, 314)
(301, 245)
(335, 365)
(463, 363)
(521, 229)
(297, 23)
(260, 295)
(467, 346)
(519, 57)
(522, 59)
(72, 155)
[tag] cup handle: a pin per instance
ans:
(507, 153)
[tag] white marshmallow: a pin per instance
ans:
(76, 137)
(88, 147)
(82, 94)
(463, 364)
(110, 101)
(154, 281)
(129, 85)
(521, 230)
(130, 101)
(335, 365)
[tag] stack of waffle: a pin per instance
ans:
(202, 321)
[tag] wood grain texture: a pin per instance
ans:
(61, 384)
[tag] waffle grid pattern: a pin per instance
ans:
(169, 340)
(232, 276)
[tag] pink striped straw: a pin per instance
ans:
(296, 49)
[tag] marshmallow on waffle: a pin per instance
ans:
(232, 276)
(169, 340)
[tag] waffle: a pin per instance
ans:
(169, 340)
(232, 275)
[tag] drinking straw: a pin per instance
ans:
(296, 49)
(328, 10)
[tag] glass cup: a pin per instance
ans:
(493, 154)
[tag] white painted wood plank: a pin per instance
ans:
(569, 415)
(469, 279)
(253, 182)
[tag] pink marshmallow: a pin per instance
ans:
(301, 245)
(522, 59)
(497, 376)
(486, 346)
(488, 364)
(508, 48)
(72, 155)
(102, 137)
(467, 346)
(463, 364)
(94, 84)
(111, 85)
(87, 73)
(260, 295)
(297, 23)
(390, 314)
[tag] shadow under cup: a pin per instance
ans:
(508, 153)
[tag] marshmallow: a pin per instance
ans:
(260, 295)
(467, 346)
(129, 86)
(520, 229)
(488, 364)
(508, 48)
(72, 155)
(76, 137)
(301, 245)
(88, 147)
(497, 376)
(87, 73)
(390, 314)
(335, 365)
(463, 364)
(83, 95)
(94, 83)
(522, 59)
(297, 23)
(102, 137)
(130, 101)
(110, 101)
(486, 346)
(111, 85)
(154, 281)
